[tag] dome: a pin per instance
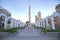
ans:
(39, 13)
(57, 6)
(5, 11)
(35, 15)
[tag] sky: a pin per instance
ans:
(19, 8)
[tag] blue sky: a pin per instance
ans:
(19, 8)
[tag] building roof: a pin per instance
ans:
(57, 6)
(2, 10)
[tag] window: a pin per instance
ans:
(9, 21)
(2, 18)
(49, 21)
(55, 21)
(45, 22)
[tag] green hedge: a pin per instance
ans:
(9, 30)
(53, 30)
(12, 30)
(43, 30)
(48, 28)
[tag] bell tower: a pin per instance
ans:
(39, 15)
(29, 12)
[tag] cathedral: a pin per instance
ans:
(38, 17)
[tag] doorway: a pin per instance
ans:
(2, 21)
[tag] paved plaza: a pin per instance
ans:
(29, 33)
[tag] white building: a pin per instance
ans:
(38, 19)
(6, 21)
(40, 23)
(52, 22)
(48, 22)
(4, 18)
(56, 18)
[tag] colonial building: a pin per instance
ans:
(48, 23)
(56, 17)
(6, 21)
(51, 22)
(5, 18)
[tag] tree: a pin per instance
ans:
(27, 23)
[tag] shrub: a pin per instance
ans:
(55, 30)
(48, 28)
(9, 30)
(13, 30)
(44, 30)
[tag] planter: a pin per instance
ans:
(43, 33)
(52, 34)
(55, 34)
(13, 34)
(7, 33)
(4, 33)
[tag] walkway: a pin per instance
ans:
(29, 33)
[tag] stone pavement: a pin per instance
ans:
(29, 33)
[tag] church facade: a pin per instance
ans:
(37, 19)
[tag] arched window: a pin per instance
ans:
(2, 19)
(49, 21)
(45, 22)
(55, 21)
(9, 21)
(40, 24)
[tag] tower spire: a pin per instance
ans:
(29, 12)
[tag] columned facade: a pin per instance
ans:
(7, 22)
(51, 22)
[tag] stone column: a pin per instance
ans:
(43, 24)
(46, 22)
(5, 24)
(52, 22)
